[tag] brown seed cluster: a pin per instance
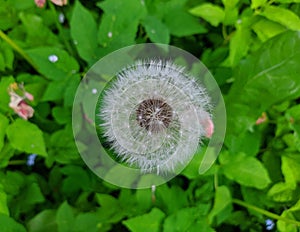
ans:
(154, 115)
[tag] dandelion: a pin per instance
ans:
(18, 98)
(154, 114)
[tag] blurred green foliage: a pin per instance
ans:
(251, 47)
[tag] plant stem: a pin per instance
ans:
(60, 29)
(16, 162)
(17, 49)
(216, 180)
(224, 33)
(265, 212)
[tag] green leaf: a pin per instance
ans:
(84, 33)
(7, 54)
(119, 23)
(65, 218)
(209, 12)
(13, 182)
(281, 192)
(23, 4)
(239, 44)
(61, 115)
(3, 202)
(44, 221)
(2, 62)
(231, 15)
(291, 169)
(286, 226)
(37, 33)
(230, 3)
(54, 63)
(231, 12)
(150, 222)
(291, 213)
(62, 89)
(27, 137)
(272, 162)
(267, 77)
(144, 202)
(239, 218)
(62, 147)
(117, 174)
(77, 179)
(266, 29)
(29, 196)
(192, 170)
(32, 194)
(287, 1)
(110, 208)
(248, 143)
(257, 3)
(5, 154)
(283, 16)
(70, 90)
(176, 17)
(4, 96)
(222, 205)
(250, 196)
(293, 115)
(8, 15)
(156, 30)
(88, 222)
(8, 224)
(245, 170)
(3, 125)
(54, 91)
(172, 198)
(187, 219)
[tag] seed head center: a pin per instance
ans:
(154, 115)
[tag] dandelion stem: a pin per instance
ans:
(17, 49)
(265, 212)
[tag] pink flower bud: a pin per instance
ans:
(29, 96)
(206, 122)
(18, 103)
(40, 3)
(60, 2)
(25, 111)
(261, 119)
(209, 128)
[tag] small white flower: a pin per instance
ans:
(154, 116)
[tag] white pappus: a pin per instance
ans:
(154, 116)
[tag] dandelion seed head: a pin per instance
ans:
(153, 107)
(151, 115)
